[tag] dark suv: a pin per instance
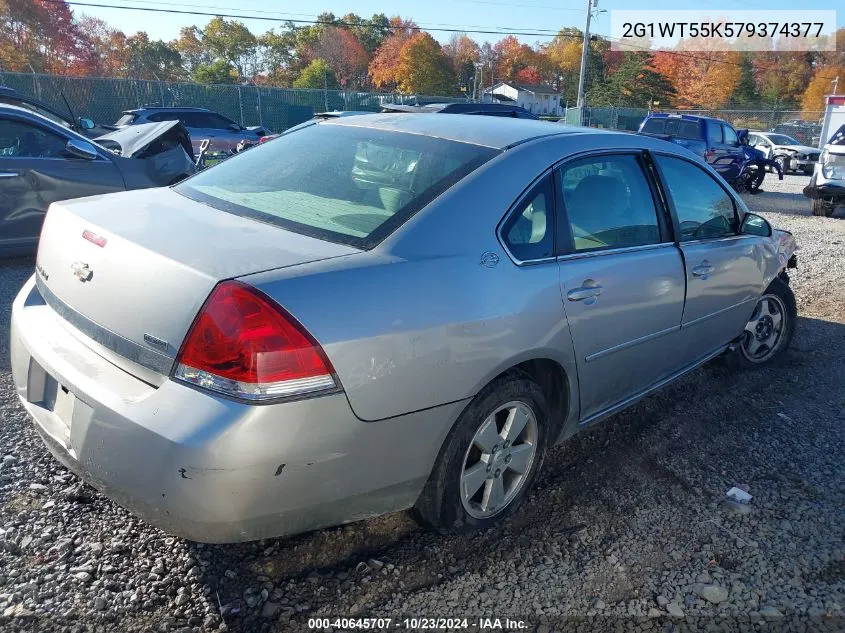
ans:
(716, 141)
(223, 134)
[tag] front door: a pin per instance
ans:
(724, 270)
(622, 279)
(35, 171)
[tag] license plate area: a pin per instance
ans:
(45, 391)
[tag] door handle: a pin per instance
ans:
(703, 270)
(9, 174)
(588, 291)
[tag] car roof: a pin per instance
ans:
(684, 117)
(494, 132)
(167, 109)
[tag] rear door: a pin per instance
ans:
(724, 270)
(622, 278)
(35, 171)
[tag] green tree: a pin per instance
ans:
(632, 84)
(153, 59)
(423, 68)
(746, 90)
(317, 75)
(232, 41)
(217, 72)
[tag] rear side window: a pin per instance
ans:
(705, 210)
(163, 116)
(529, 231)
(340, 183)
(608, 204)
(714, 132)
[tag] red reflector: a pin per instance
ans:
(94, 238)
(242, 335)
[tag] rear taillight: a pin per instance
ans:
(243, 344)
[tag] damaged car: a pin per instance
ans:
(42, 162)
(382, 312)
(827, 185)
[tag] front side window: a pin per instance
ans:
(345, 184)
(730, 135)
(529, 231)
(22, 140)
(704, 208)
(608, 204)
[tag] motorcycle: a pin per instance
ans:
(752, 168)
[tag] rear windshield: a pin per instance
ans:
(339, 183)
(673, 127)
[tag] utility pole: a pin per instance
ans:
(584, 52)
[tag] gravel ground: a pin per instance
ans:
(626, 521)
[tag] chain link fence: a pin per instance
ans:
(104, 99)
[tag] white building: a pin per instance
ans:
(537, 99)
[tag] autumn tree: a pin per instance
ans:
(512, 57)
(463, 53)
(384, 66)
(192, 49)
(812, 101)
(423, 68)
(371, 33)
(344, 54)
(318, 74)
(781, 77)
(110, 53)
(701, 78)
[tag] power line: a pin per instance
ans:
(480, 31)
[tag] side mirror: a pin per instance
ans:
(86, 124)
(753, 224)
(81, 149)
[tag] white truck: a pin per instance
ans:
(827, 185)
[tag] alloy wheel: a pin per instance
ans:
(764, 330)
(498, 460)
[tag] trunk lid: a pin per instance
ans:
(135, 297)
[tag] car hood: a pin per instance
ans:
(804, 149)
(133, 140)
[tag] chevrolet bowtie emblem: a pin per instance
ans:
(82, 271)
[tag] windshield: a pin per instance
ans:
(342, 184)
(782, 139)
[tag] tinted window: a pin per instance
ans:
(163, 116)
(608, 203)
(730, 135)
(22, 140)
(209, 120)
(529, 231)
(654, 126)
(704, 209)
(343, 184)
(683, 129)
(714, 132)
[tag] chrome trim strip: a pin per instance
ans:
(631, 343)
(149, 358)
(715, 314)
(615, 251)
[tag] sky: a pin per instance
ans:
(528, 15)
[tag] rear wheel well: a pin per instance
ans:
(552, 379)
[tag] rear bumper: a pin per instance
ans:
(207, 468)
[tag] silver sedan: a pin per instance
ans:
(382, 312)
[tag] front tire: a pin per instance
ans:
(490, 458)
(822, 208)
(769, 330)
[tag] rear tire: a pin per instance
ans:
(822, 208)
(483, 472)
(769, 330)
